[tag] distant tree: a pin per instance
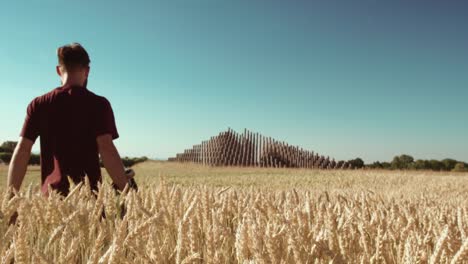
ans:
(407, 162)
(386, 165)
(8, 146)
(375, 165)
(35, 159)
(128, 162)
(5, 157)
(460, 167)
(449, 164)
(436, 165)
(396, 163)
(420, 165)
(141, 159)
(339, 163)
(406, 159)
(357, 163)
(402, 162)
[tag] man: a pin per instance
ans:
(74, 126)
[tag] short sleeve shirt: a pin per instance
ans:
(68, 119)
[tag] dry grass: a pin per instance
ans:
(230, 215)
(32, 177)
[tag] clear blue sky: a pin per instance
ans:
(368, 79)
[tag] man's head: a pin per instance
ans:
(73, 64)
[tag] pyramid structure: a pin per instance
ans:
(249, 149)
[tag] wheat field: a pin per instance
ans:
(185, 213)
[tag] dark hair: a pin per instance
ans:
(72, 56)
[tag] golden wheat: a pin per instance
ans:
(210, 223)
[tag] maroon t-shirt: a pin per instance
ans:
(68, 119)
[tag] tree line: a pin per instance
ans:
(407, 162)
(7, 148)
(402, 162)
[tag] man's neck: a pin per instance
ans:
(71, 82)
(74, 80)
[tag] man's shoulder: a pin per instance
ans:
(99, 99)
(53, 94)
(45, 98)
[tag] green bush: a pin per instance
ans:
(449, 164)
(375, 165)
(35, 159)
(357, 163)
(402, 162)
(5, 157)
(8, 146)
(129, 162)
(460, 167)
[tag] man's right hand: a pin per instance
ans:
(112, 161)
(131, 181)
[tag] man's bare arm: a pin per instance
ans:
(19, 163)
(112, 161)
